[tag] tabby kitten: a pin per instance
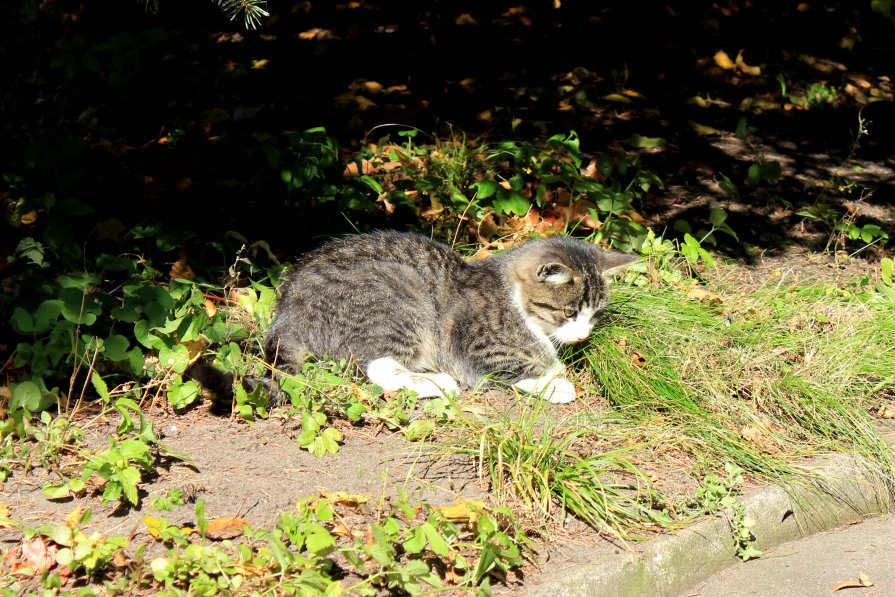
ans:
(415, 315)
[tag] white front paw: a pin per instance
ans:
(556, 390)
(560, 391)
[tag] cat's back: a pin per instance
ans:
(367, 296)
(367, 257)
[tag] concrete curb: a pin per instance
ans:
(845, 489)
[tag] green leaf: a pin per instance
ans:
(100, 386)
(115, 347)
(183, 394)
(133, 449)
(419, 429)
(436, 542)
(129, 477)
(416, 542)
(56, 491)
(31, 397)
(485, 188)
(176, 357)
(21, 321)
(30, 249)
(717, 217)
(511, 202)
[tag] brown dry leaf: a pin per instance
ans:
(886, 411)
(259, 64)
(181, 269)
(119, 560)
(340, 530)
(697, 293)
(862, 582)
(39, 556)
(210, 308)
(760, 437)
(317, 33)
(465, 19)
(723, 60)
(28, 218)
(749, 70)
(226, 527)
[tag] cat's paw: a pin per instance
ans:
(433, 386)
(560, 391)
(556, 390)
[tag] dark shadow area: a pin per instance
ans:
(176, 120)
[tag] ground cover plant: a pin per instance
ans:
(689, 373)
(160, 171)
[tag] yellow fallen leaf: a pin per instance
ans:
(153, 525)
(344, 498)
(749, 70)
(617, 97)
(704, 130)
(462, 510)
(723, 60)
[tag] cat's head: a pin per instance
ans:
(561, 285)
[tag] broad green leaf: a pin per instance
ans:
(511, 202)
(115, 347)
(717, 217)
(133, 449)
(416, 542)
(485, 188)
(436, 542)
(56, 491)
(30, 249)
(21, 321)
(176, 357)
(30, 396)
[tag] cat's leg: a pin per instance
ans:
(550, 386)
(390, 375)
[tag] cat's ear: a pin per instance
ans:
(553, 273)
(614, 263)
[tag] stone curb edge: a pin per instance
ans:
(845, 489)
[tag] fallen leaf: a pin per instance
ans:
(617, 97)
(704, 130)
(344, 498)
(749, 70)
(863, 581)
(210, 308)
(886, 411)
(153, 525)
(637, 359)
(340, 530)
(39, 556)
(697, 293)
(723, 60)
(182, 269)
(465, 511)
(226, 527)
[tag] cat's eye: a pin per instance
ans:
(569, 312)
